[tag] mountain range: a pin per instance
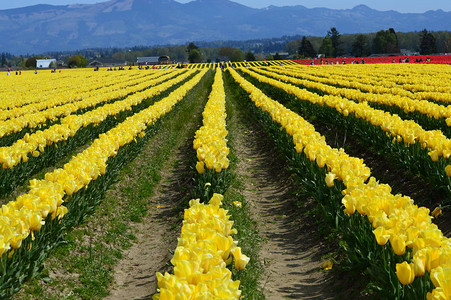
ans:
(127, 23)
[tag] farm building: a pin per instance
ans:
(45, 63)
(153, 60)
(106, 62)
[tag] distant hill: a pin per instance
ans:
(125, 23)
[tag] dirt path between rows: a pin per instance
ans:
(135, 274)
(291, 252)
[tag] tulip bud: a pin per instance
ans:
(405, 272)
(436, 212)
(448, 170)
(349, 205)
(419, 261)
(200, 167)
(398, 244)
(327, 265)
(434, 154)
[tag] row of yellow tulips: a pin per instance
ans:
(410, 80)
(407, 104)
(210, 140)
(36, 142)
(19, 218)
(242, 64)
(406, 131)
(70, 94)
(394, 217)
(30, 88)
(204, 250)
(35, 119)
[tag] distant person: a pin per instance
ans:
(36, 71)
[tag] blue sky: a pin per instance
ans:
(399, 5)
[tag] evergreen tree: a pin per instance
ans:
(292, 47)
(446, 46)
(277, 56)
(306, 49)
(336, 43)
(237, 55)
(250, 56)
(326, 47)
(3, 59)
(360, 46)
(392, 42)
(386, 41)
(191, 46)
(194, 56)
(428, 44)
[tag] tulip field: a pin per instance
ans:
(66, 137)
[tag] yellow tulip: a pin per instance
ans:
(330, 179)
(432, 258)
(327, 265)
(381, 236)
(398, 244)
(405, 272)
(448, 170)
(437, 294)
(200, 167)
(436, 212)
(349, 204)
(237, 204)
(434, 155)
(441, 278)
(241, 260)
(419, 261)
(216, 199)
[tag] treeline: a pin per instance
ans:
(382, 42)
(333, 44)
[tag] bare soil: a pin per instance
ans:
(292, 251)
(135, 274)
